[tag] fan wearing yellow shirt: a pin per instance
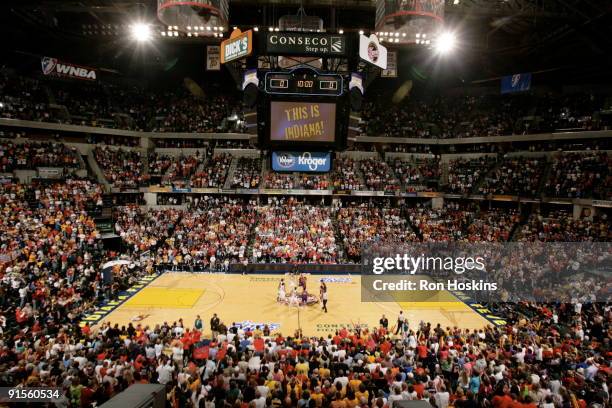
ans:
(317, 396)
(338, 401)
(354, 384)
(362, 393)
(351, 400)
(324, 372)
(302, 367)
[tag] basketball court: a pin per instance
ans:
(251, 300)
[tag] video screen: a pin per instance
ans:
(303, 122)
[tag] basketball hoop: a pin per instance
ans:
(406, 22)
(209, 15)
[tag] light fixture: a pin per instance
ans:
(361, 32)
(255, 28)
(341, 32)
(140, 32)
(445, 42)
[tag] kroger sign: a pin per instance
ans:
(301, 161)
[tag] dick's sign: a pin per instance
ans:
(239, 45)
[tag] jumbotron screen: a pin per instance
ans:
(302, 122)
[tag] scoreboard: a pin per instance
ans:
(303, 83)
(303, 110)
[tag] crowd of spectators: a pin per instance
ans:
(212, 234)
(418, 174)
(378, 175)
(183, 168)
(479, 116)
(464, 174)
(515, 176)
(346, 175)
(288, 231)
(247, 173)
(580, 175)
(30, 155)
(214, 172)
(280, 181)
(494, 225)
(361, 224)
(159, 163)
(560, 226)
(108, 105)
(22, 98)
(543, 357)
(314, 182)
(441, 224)
(142, 230)
(121, 168)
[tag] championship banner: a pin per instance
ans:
(305, 44)
(371, 51)
(213, 59)
(516, 83)
(55, 68)
(391, 70)
(239, 45)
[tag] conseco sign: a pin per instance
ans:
(296, 43)
(301, 161)
(239, 45)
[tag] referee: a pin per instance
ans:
(324, 300)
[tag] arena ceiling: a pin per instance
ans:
(498, 34)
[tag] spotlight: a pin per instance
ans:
(341, 32)
(270, 29)
(276, 29)
(445, 42)
(361, 32)
(141, 32)
(255, 28)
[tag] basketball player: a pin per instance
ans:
(302, 282)
(294, 299)
(281, 291)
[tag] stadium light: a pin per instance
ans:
(141, 32)
(445, 43)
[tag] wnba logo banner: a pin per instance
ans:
(301, 161)
(54, 67)
(516, 83)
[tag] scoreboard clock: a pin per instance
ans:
(303, 82)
